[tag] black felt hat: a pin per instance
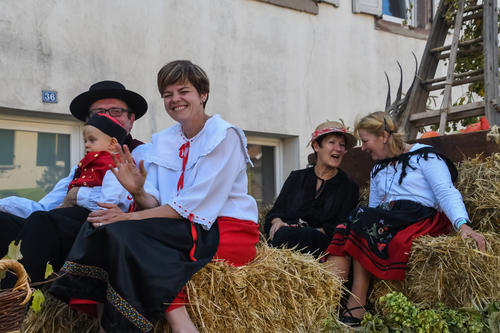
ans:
(80, 105)
(108, 125)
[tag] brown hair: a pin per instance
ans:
(379, 122)
(184, 71)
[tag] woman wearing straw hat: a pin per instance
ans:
(130, 268)
(315, 200)
(411, 194)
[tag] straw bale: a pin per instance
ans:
(262, 221)
(57, 317)
(447, 269)
(281, 290)
(479, 183)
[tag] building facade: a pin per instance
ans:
(278, 68)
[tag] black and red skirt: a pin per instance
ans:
(380, 239)
(135, 268)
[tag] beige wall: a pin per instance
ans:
(272, 69)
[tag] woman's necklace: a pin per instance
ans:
(323, 182)
(321, 187)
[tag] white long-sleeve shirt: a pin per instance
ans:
(87, 197)
(215, 180)
(429, 184)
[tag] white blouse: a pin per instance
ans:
(214, 181)
(429, 184)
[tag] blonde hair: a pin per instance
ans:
(379, 122)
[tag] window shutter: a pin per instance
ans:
(372, 7)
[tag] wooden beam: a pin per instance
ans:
(468, 10)
(490, 35)
(450, 76)
(448, 47)
(457, 76)
(461, 52)
(456, 83)
(457, 112)
(469, 17)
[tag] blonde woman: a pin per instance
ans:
(411, 194)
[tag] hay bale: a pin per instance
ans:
(281, 290)
(262, 221)
(450, 270)
(57, 317)
(479, 183)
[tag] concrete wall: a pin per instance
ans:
(272, 69)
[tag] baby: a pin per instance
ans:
(100, 134)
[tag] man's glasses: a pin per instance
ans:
(113, 112)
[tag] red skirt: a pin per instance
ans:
(381, 240)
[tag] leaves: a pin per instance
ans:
(14, 251)
(48, 270)
(37, 300)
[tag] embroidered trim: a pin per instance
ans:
(206, 224)
(113, 297)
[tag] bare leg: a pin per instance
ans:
(340, 266)
(180, 322)
(360, 284)
(100, 308)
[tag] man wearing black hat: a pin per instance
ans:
(106, 97)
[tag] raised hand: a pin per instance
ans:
(131, 177)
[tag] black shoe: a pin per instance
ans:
(349, 319)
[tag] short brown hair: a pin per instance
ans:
(183, 71)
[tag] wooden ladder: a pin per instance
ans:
(416, 116)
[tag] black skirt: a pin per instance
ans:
(136, 268)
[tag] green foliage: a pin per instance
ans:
(37, 300)
(404, 316)
(48, 270)
(14, 251)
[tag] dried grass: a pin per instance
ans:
(447, 269)
(57, 317)
(479, 183)
(279, 291)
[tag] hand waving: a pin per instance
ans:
(131, 177)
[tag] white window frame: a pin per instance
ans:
(278, 157)
(398, 20)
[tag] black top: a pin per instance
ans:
(132, 143)
(297, 200)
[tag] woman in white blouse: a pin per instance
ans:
(411, 194)
(130, 268)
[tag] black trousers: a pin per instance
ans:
(10, 226)
(47, 237)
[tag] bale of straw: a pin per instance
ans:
(479, 184)
(447, 269)
(281, 290)
(57, 317)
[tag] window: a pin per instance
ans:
(397, 11)
(36, 153)
(7, 147)
(265, 178)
